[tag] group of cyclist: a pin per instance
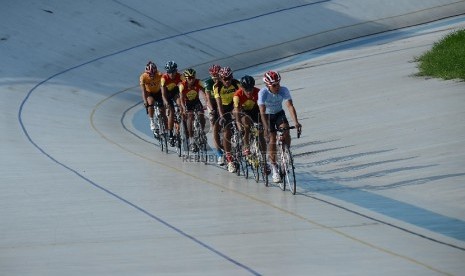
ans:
(228, 101)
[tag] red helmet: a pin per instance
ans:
(226, 73)
(271, 77)
(214, 70)
(151, 68)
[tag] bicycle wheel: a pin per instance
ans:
(253, 162)
(246, 167)
(162, 135)
(281, 169)
(164, 139)
(264, 169)
(203, 149)
(288, 167)
(178, 142)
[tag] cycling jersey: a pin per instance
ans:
(191, 94)
(209, 87)
(273, 102)
(226, 93)
(151, 84)
(170, 83)
(240, 99)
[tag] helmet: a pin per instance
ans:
(171, 67)
(189, 73)
(271, 77)
(214, 70)
(151, 68)
(226, 73)
(247, 82)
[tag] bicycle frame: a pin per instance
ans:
(162, 135)
(200, 138)
(180, 132)
(256, 159)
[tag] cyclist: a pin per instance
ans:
(190, 89)
(270, 99)
(224, 92)
(213, 111)
(170, 92)
(151, 94)
(246, 110)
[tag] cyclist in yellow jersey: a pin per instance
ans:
(170, 91)
(151, 94)
(224, 93)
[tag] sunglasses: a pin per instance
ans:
(275, 84)
(190, 78)
(227, 79)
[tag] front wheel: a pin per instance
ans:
(288, 170)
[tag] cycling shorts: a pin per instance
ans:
(276, 120)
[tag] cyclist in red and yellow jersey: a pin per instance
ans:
(190, 89)
(151, 94)
(246, 110)
(224, 92)
(170, 92)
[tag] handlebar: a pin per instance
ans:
(282, 129)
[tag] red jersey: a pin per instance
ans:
(170, 83)
(247, 103)
(191, 94)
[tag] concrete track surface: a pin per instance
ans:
(84, 190)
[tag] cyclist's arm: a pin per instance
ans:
(164, 94)
(237, 109)
(182, 99)
(205, 97)
(219, 103)
(263, 117)
(144, 93)
(291, 108)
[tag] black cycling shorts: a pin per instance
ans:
(275, 120)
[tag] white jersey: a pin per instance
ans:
(273, 102)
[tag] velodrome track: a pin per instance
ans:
(380, 171)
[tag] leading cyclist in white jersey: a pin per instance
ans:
(270, 102)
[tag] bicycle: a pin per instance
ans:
(256, 160)
(286, 161)
(180, 136)
(161, 135)
(236, 151)
(199, 138)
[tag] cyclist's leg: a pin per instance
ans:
(150, 102)
(199, 107)
(190, 124)
(171, 116)
(158, 100)
(282, 122)
(227, 133)
(216, 132)
(176, 125)
(272, 138)
(246, 124)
